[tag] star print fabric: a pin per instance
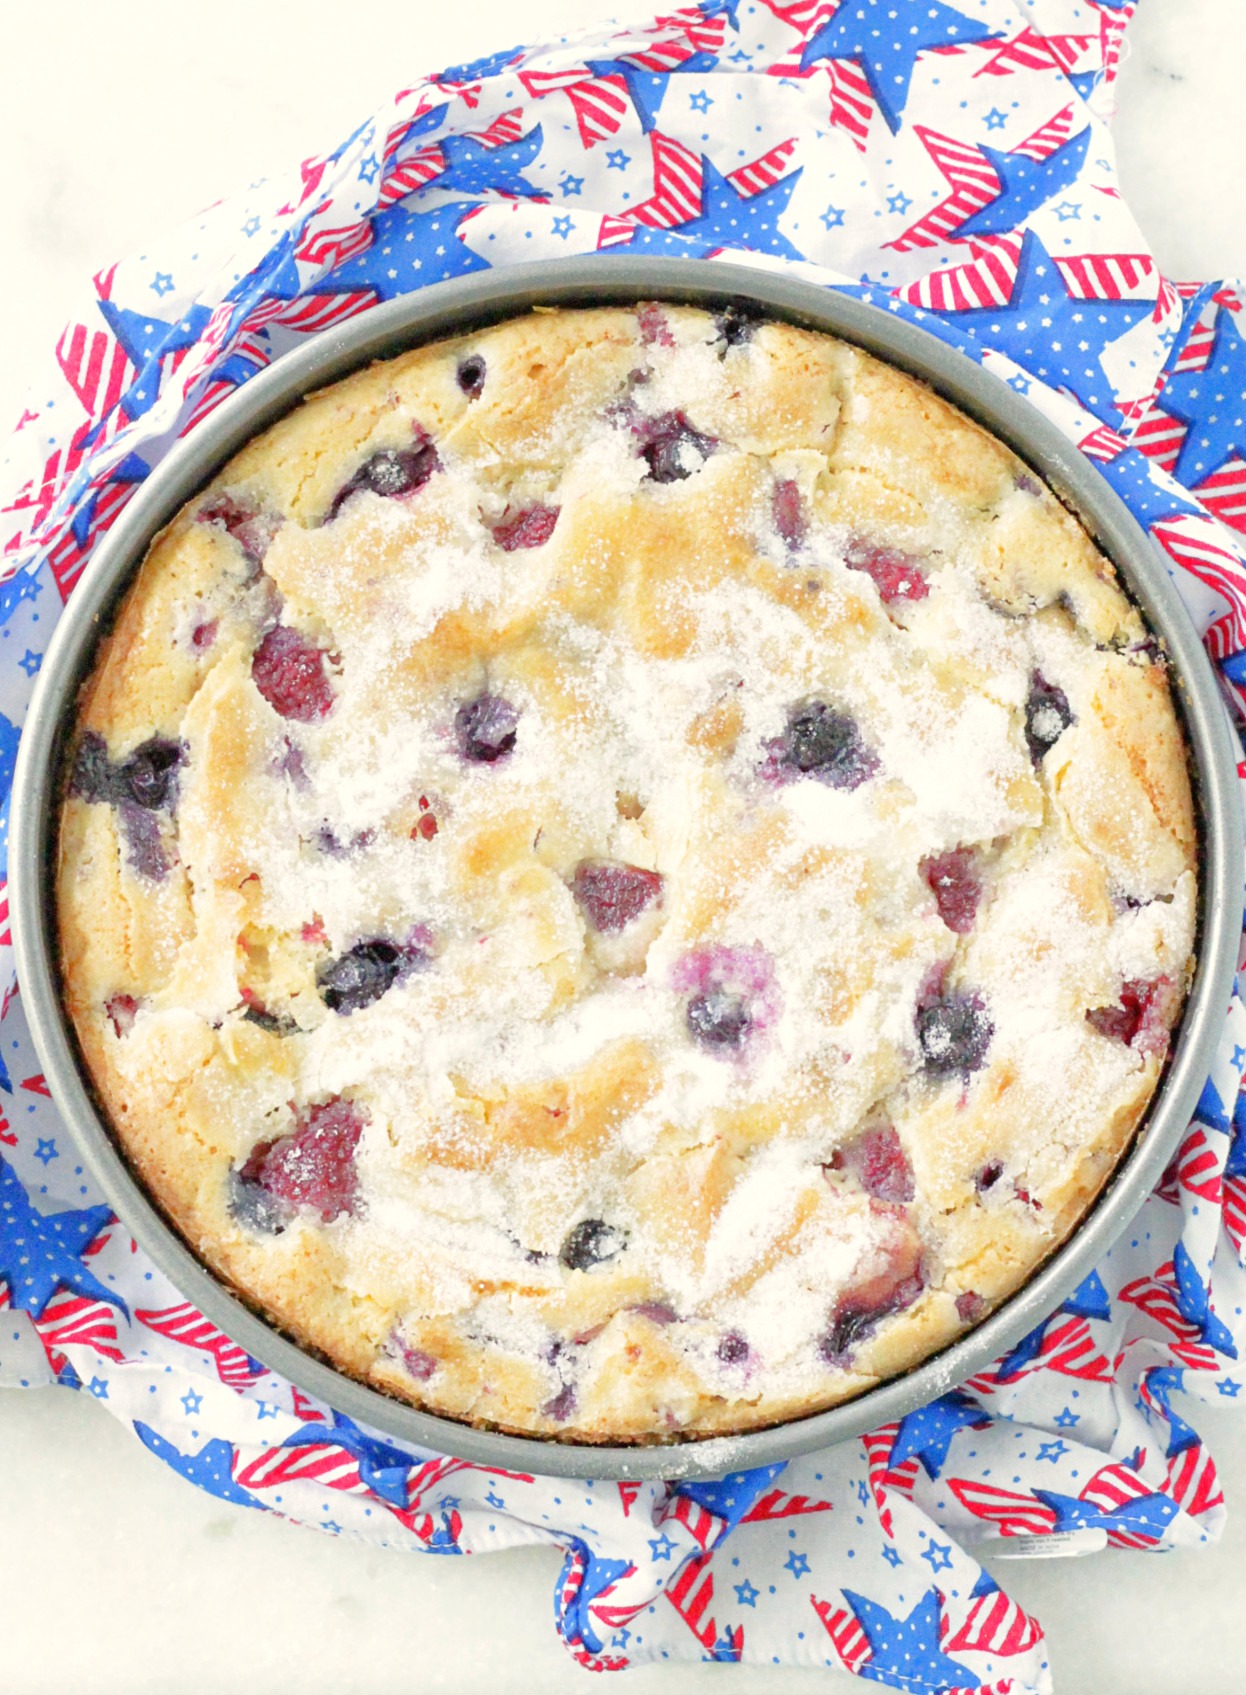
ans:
(951, 163)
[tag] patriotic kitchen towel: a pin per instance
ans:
(950, 161)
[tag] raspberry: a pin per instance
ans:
(527, 526)
(894, 573)
(289, 671)
(956, 887)
(314, 1166)
(612, 894)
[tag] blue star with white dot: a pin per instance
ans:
(892, 1556)
(1229, 1386)
(494, 1499)
(618, 160)
(473, 168)
(265, 1409)
(833, 217)
(661, 1548)
(905, 1652)
(30, 662)
(369, 165)
(569, 185)
(1025, 185)
(797, 1564)
(41, 1252)
(332, 1526)
(995, 119)
(898, 203)
(1068, 211)
(252, 226)
(191, 1402)
(46, 1152)
(561, 227)
(867, 31)
(700, 101)
(98, 1388)
(745, 1594)
(1052, 1450)
(162, 283)
(1213, 403)
(1065, 337)
(211, 1468)
(1067, 1418)
(728, 218)
(408, 248)
(938, 1555)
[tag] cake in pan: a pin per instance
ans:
(626, 876)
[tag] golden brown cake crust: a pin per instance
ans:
(627, 875)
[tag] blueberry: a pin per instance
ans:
(485, 729)
(276, 1023)
(954, 1034)
(149, 776)
(359, 976)
(735, 324)
(393, 472)
(822, 742)
(718, 1019)
(253, 1206)
(561, 1406)
(143, 843)
(1047, 716)
(470, 376)
(92, 770)
(672, 449)
(733, 1349)
(591, 1244)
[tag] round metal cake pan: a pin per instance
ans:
(451, 308)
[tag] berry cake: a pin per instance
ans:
(626, 876)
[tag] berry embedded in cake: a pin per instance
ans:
(628, 876)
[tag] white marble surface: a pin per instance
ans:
(114, 1574)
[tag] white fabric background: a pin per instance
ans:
(116, 121)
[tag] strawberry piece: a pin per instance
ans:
(289, 671)
(527, 526)
(612, 894)
(879, 1162)
(956, 887)
(314, 1166)
(788, 513)
(894, 573)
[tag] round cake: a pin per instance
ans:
(627, 875)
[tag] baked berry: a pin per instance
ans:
(719, 1020)
(144, 844)
(561, 1406)
(954, 1034)
(890, 1290)
(989, 1175)
(736, 325)
(276, 1023)
(121, 1011)
(733, 1349)
(970, 1306)
(485, 729)
(822, 742)
(612, 894)
(895, 574)
(203, 635)
(1047, 716)
(360, 976)
(250, 527)
(415, 1361)
(149, 776)
(252, 1205)
(671, 448)
(654, 325)
(788, 512)
(957, 888)
(657, 1312)
(1137, 1018)
(592, 1243)
(878, 1161)
(394, 473)
(525, 526)
(292, 675)
(313, 1168)
(470, 376)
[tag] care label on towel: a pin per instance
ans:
(1058, 1545)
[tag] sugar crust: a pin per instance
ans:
(537, 1073)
